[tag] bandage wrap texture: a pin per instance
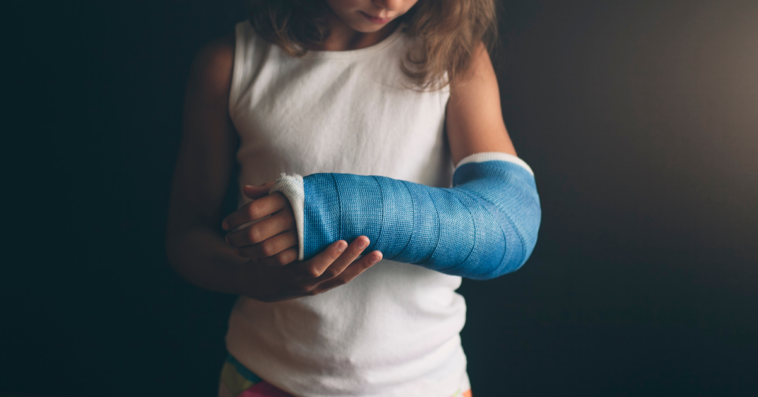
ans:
(483, 227)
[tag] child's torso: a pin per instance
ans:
(394, 329)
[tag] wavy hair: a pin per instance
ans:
(447, 33)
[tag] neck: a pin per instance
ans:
(343, 38)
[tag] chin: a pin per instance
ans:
(368, 27)
(371, 29)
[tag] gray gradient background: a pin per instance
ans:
(638, 118)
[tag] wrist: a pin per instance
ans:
(292, 187)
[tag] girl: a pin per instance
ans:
(374, 101)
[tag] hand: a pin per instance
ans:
(329, 269)
(272, 240)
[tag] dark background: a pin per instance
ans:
(640, 120)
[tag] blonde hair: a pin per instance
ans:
(448, 33)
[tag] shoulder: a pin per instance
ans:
(480, 70)
(478, 83)
(212, 67)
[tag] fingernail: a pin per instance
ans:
(363, 244)
(341, 246)
(374, 259)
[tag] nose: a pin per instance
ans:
(389, 5)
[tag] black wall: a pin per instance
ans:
(640, 121)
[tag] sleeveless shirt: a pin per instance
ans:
(394, 329)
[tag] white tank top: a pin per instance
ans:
(393, 330)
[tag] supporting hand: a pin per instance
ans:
(272, 239)
(335, 266)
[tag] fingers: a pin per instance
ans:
(262, 230)
(272, 246)
(257, 209)
(334, 266)
(353, 251)
(332, 261)
(313, 267)
(352, 271)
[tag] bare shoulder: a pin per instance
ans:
(474, 118)
(481, 70)
(211, 71)
(206, 102)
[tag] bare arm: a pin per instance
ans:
(474, 119)
(202, 172)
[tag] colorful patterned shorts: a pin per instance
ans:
(238, 381)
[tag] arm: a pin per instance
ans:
(194, 246)
(202, 172)
(483, 227)
(474, 121)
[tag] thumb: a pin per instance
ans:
(256, 192)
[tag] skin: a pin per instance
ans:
(350, 29)
(259, 260)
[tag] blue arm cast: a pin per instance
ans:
(483, 227)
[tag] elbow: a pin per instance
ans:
(500, 269)
(520, 241)
(176, 255)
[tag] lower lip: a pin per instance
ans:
(379, 21)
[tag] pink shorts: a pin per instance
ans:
(238, 381)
